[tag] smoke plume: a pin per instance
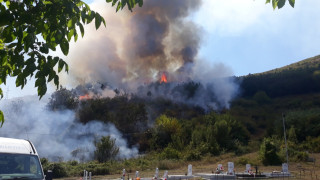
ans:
(137, 47)
(56, 134)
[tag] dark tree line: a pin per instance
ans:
(283, 83)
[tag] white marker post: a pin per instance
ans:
(248, 168)
(165, 175)
(189, 170)
(123, 174)
(230, 168)
(156, 174)
(285, 167)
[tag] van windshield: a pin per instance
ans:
(20, 166)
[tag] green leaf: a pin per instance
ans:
(114, 2)
(1, 94)
(66, 67)
(42, 90)
(40, 82)
(1, 118)
(91, 16)
(64, 45)
(52, 74)
(70, 34)
(104, 22)
(75, 37)
(274, 3)
(56, 81)
(281, 3)
(20, 81)
(44, 49)
(97, 20)
(70, 23)
(118, 6)
(108, 1)
(8, 35)
(47, 2)
(123, 3)
(54, 61)
(81, 29)
(60, 65)
(291, 2)
(140, 3)
(268, 1)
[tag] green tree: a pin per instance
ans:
(164, 131)
(292, 136)
(268, 152)
(29, 29)
(106, 149)
(63, 99)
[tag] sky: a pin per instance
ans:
(247, 36)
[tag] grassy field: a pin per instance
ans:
(299, 170)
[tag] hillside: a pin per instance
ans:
(299, 78)
(174, 124)
(310, 63)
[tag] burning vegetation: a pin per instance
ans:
(163, 78)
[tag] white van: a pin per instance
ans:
(19, 160)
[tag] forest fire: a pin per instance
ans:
(163, 78)
(84, 97)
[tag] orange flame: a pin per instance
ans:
(84, 97)
(163, 78)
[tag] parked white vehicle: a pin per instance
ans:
(19, 160)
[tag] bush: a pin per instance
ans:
(243, 161)
(58, 170)
(192, 155)
(73, 163)
(44, 161)
(301, 156)
(170, 153)
(106, 149)
(101, 171)
(268, 152)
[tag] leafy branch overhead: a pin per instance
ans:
(280, 3)
(29, 29)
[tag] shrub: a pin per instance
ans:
(243, 161)
(101, 171)
(106, 149)
(73, 163)
(58, 170)
(170, 153)
(268, 152)
(192, 155)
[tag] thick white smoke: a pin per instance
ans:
(136, 47)
(55, 134)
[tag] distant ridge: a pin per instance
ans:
(313, 62)
(302, 77)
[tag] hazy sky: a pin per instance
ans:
(248, 36)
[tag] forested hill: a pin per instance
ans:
(302, 77)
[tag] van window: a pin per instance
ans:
(20, 165)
